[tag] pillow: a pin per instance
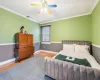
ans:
(68, 47)
(81, 48)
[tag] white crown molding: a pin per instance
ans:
(8, 61)
(17, 13)
(96, 45)
(66, 18)
(55, 19)
(94, 6)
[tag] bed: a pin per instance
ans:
(63, 70)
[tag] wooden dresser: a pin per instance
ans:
(24, 46)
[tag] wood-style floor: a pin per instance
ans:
(12, 64)
(45, 54)
(9, 65)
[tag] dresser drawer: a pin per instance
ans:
(23, 50)
(30, 51)
(22, 56)
(22, 47)
(22, 53)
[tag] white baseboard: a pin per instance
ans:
(12, 60)
(44, 51)
(96, 45)
(36, 52)
(48, 51)
(8, 61)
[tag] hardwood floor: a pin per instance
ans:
(46, 54)
(9, 65)
(12, 64)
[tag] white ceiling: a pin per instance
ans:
(65, 9)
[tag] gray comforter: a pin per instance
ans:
(61, 70)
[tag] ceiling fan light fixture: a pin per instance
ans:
(45, 10)
(45, 6)
(42, 10)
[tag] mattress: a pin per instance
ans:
(89, 57)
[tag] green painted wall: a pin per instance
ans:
(72, 29)
(10, 24)
(96, 25)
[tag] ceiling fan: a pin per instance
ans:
(45, 6)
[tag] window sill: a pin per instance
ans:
(45, 42)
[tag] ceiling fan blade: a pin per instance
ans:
(36, 4)
(52, 5)
(49, 11)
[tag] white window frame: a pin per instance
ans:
(47, 42)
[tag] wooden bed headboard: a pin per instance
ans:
(88, 43)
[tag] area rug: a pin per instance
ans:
(31, 69)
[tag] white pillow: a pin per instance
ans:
(81, 48)
(68, 47)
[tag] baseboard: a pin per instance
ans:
(44, 51)
(8, 61)
(96, 45)
(36, 52)
(48, 51)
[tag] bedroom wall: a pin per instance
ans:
(79, 28)
(9, 25)
(96, 25)
(96, 31)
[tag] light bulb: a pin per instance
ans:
(45, 10)
(42, 10)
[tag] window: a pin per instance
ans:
(45, 33)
